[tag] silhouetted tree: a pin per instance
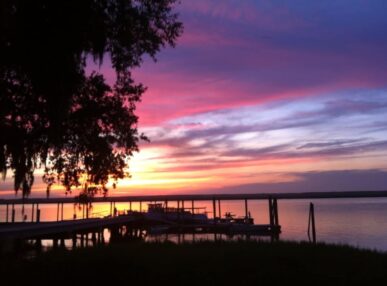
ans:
(55, 116)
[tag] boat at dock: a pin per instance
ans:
(231, 224)
(160, 212)
(180, 220)
(232, 219)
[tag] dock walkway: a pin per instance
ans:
(47, 229)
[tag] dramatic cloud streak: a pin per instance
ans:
(235, 54)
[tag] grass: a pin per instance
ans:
(203, 263)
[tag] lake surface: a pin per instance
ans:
(358, 222)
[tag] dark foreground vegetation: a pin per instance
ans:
(204, 263)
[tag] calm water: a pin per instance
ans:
(358, 222)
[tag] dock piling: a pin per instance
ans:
(38, 245)
(62, 211)
(74, 240)
(93, 238)
(311, 224)
(214, 208)
(32, 212)
(246, 209)
(178, 209)
(193, 207)
(62, 243)
(55, 243)
(102, 237)
(13, 214)
(271, 217)
(82, 240)
(7, 213)
(275, 209)
(37, 213)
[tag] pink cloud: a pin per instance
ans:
(245, 60)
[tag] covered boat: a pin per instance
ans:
(160, 212)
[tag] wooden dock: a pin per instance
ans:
(61, 228)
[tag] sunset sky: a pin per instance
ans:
(262, 96)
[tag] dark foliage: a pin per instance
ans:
(54, 115)
(203, 263)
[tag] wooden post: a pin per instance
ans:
(275, 208)
(99, 236)
(57, 212)
(62, 212)
(246, 209)
(271, 218)
(74, 239)
(7, 213)
(214, 208)
(140, 206)
(220, 212)
(182, 205)
(55, 242)
(62, 242)
(83, 211)
(87, 210)
(82, 240)
(178, 210)
(38, 244)
(311, 223)
(130, 205)
(102, 236)
(32, 212)
(13, 214)
(111, 208)
(37, 213)
(74, 212)
(193, 207)
(93, 238)
(166, 206)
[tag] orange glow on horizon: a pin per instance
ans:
(153, 171)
